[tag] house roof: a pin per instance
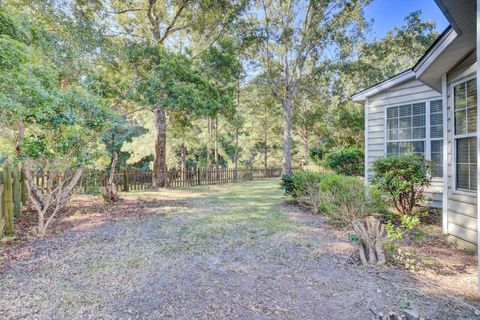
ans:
(456, 42)
(379, 87)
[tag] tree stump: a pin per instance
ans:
(371, 234)
(110, 194)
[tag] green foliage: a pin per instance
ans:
(348, 162)
(288, 185)
(396, 234)
(403, 179)
(340, 197)
(316, 154)
(346, 199)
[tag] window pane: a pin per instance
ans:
(392, 148)
(392, 112)
(405, 134)
(473, 150)
(436, 106)
(472, 119)
(437, 158)
(392, 123)
(404, 147)
(472, 92)
(460, 122)
(463, 150)
(418, 133)
(393, 134)
(459, 96)
(466, 165)
(462, 176)
(419, 108)
(473, 177)
(405, 110)
(437, 146)
(418, 121)
(418, 147)
(436, 119)
(436, 132)
(405, 122)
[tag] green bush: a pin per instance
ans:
(345, 199)
(316, 154)
(349, 162)
(342, 198)
(307, 189)
(403, 180)
(288, 185)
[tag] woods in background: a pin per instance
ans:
(188, 84)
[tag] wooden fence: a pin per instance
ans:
(13, 195)
(199, 177)
(133, 180)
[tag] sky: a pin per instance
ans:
(388, 14)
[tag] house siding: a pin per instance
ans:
(462, 206)
(404, 93)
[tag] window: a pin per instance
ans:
(465, 113)
(408, 131)
(436, 137)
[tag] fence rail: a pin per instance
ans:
(134, 180)
(198, 177)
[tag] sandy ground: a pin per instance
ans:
(235, 251)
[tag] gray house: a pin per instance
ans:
(431, 109)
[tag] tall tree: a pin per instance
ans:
(156, 21)
(294, 35)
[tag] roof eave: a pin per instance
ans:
(384, 85)
(434, 51)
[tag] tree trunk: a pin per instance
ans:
(183, 154)
(287, 132)
(265, 152)
(110, 194)
(217, 163)
(208, 141)
(236, 151)
(305, 146)
(237, 129)
(159, 164)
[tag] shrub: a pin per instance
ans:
(349, 162)
(403, 179)
(288, 185)
(345, 199)
(307, 189)
(342, 198)
(316, 154)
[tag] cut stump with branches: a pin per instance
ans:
(371, 234)
(110, 194)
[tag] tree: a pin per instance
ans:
(295, 35)
(155, 22)
(56, 120)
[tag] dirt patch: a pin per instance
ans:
(220, 252)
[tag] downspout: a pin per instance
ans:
(445, 107)
(478, 147)
(366, 141)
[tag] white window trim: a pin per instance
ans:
(428, 140)
(459, 136)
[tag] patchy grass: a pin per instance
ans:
(210, 252)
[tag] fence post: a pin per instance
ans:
(17, 192)
(8, 201)
(125, 179)
(2, 210)
(23, 187)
